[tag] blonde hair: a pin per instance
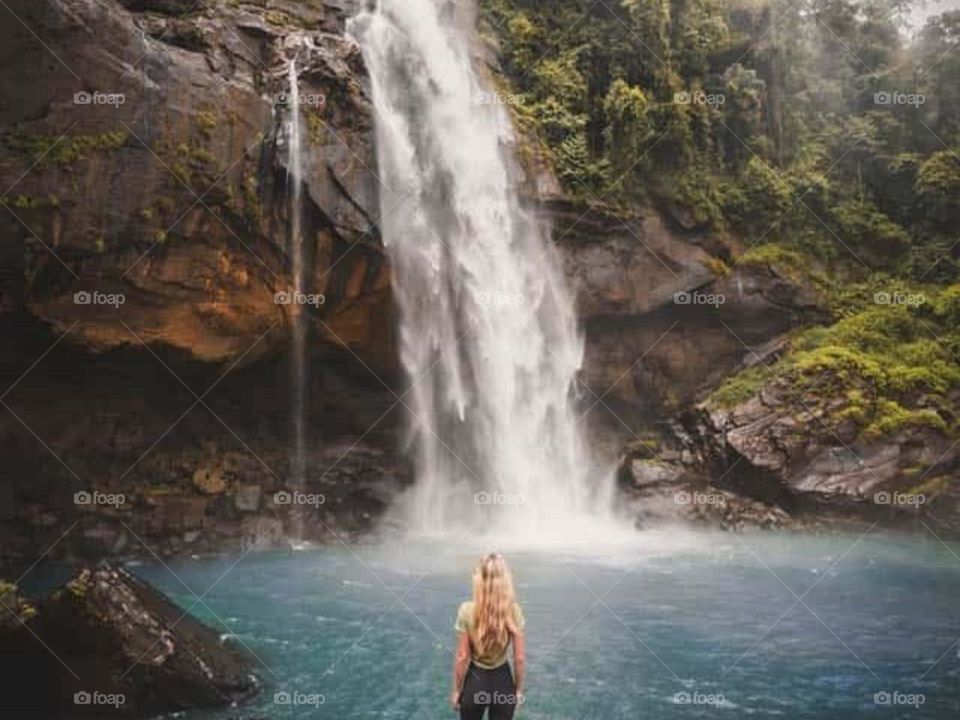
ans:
(493, 600)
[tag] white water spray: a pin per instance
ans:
(488, 334)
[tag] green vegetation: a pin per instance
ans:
(282, 19)
(47, 150)
(206, 122)
(741, 387)
(818, 133)
(316, 129)
(792, 125)
(30, 202)
(21, 608)
(885, 368)
(77, 588)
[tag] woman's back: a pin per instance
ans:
(489, 657)
(486, 628)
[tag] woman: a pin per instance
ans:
(486, 627)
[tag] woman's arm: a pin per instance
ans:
(461, 658)
(519, 660)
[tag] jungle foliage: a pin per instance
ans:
(822, 134)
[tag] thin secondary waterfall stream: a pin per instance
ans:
(488, 334)
(298, 367)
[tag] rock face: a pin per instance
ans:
(142, 243)
(661, 490)
(776, 447)
(121, 649)
(145, 157)
(665, 318)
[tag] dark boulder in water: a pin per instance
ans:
(109, 644)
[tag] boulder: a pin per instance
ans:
(108, 644)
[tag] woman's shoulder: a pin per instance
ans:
(466, 610)
(465, 615)
(518, 616)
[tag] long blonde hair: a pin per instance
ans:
(493, 600)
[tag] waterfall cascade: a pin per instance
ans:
(298, 369)
(488, 334)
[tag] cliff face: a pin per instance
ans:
(144, 155)
(143, 242)
(665, 318)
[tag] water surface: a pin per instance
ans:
(659, 629)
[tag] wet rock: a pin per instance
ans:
(652, 472)
(735, 512)
(117, 646)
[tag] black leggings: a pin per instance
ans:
(492, 689)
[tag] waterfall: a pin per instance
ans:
(488, 335)
(298, 369)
